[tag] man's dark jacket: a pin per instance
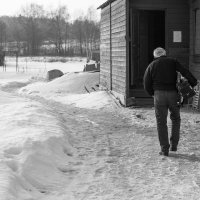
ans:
(161, 74)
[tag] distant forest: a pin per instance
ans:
(37, 32)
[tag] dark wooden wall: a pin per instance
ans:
(114, 51)
(119, 45)
(113, 47)
(194, 59)
(177, 19)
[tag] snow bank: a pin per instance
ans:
(34, 149)
(95, 100)
(37, 156)
(78, 89)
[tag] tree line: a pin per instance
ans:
(39, 32)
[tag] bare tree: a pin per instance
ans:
(37, 31)
(78, 34)
(91, 31)
(30, 21)
(59, 27)
(2, 34)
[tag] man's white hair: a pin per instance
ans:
(159, 52)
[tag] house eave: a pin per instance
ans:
(105, 4)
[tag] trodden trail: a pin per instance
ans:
(117, 157)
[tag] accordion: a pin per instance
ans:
(185, 90)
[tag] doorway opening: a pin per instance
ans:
(147, 32)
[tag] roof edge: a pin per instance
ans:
(105, 4)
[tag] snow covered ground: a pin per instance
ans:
(64, 139)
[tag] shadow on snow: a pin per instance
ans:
(192, 158)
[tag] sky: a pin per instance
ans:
(13, 7)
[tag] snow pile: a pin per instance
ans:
(35, 149)
(37, 156)
(79, 89)
(69, 83)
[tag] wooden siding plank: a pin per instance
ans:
(119, 35)
(118, 28)
(117, 4)
(119, 58)
(119, 84)
(105, 47)
(119, 47)
(105, 25)
(104, 18)
(105, 32)
(119, 39)
(117, 20)
(119, 89)
(121, 30)
(120, 15)
(105, 22)
(105, 72)
(119, 63)
(119, 51)
(116, 37)
(105, 28)
(119, 73)
(118, 11)
(119, 44)
(105, 62)
(121, 77)
(119, 68)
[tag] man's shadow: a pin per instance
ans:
(191, 158)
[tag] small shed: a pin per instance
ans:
(132, 29)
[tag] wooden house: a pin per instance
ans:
(132, 29)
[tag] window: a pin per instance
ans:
(197, 33)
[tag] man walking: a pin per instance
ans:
(160, 82)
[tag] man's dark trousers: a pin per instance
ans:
(165, 101)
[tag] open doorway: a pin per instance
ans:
(147, 31)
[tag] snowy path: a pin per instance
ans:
(85, 154)
(116, 159)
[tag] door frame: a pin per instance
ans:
(140, 92)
